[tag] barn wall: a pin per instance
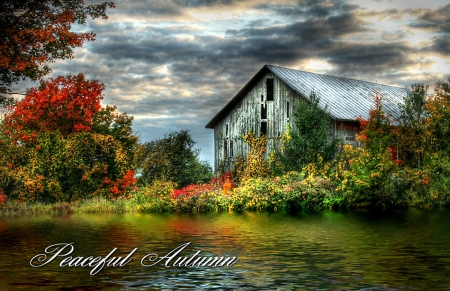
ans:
(247, 115)
(348, 131)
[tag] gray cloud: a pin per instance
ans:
(441, 45)
(309, 8)
(376, 58)
(438, 19)
(202, 3)
(174, 74)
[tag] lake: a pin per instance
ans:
(354, 250)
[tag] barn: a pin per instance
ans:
(265, 106)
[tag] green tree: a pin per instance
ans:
(174, 159)
(438, 122)
(411, 129)
(311, 140)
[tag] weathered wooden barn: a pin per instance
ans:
(265, 106)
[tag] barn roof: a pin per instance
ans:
(345, 98)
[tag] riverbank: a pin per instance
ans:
(291, 193)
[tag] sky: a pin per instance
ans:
(174, 64)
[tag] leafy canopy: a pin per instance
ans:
(34, 33)
(67, 104)
(60, 144)
(411, 132)
(174, 159)
(310, 140)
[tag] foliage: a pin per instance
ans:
(377, 132)
(172, 158)
(309, 141)
(192, 190)
(438, 122)
(225, 182)
(368, 180)
(66, 104)
(2, 197)
(154, 197)
(51, 153)
(221, 184)
(254, 165)
(204, 201)
(256, 194)
(365, 176)
(411, 131)
(36, 32)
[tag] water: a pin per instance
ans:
(405, 250)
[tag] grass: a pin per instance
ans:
(95, 205)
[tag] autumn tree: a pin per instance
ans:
(377, 132)
(66, 104)
(34, 33)
(174, 159)
(60, 144)
(366, 173)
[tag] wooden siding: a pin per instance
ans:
(246, 116)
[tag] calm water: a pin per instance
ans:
(407, 250)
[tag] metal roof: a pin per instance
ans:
(345, 98)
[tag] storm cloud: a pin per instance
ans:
(174, 64)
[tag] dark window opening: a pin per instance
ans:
(226, 130)
(231, 149)
(269, 89)
(225, 149)
(263, 128)
(263, 111)
(262, 98)
(287, 110)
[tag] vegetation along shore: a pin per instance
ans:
(62, 151)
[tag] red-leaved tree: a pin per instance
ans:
(66, 104)
(34, 33)
(60, 144)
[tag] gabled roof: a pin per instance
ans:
(345, 98)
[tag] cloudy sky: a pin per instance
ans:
(173, 64)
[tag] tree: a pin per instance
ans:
(172, 158)
(438, 122)
(377, 133)
(67, 104)
(367, 173)
(411, 130)
(60, 144)
(310, 141)
(34, 33)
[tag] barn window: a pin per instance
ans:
(226, 130)
(263, 128)
(350, 138)
(269, 89)
(287, 110)
(231, 149)
(263, 111)
(225, 149)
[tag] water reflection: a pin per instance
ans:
(405, 250)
